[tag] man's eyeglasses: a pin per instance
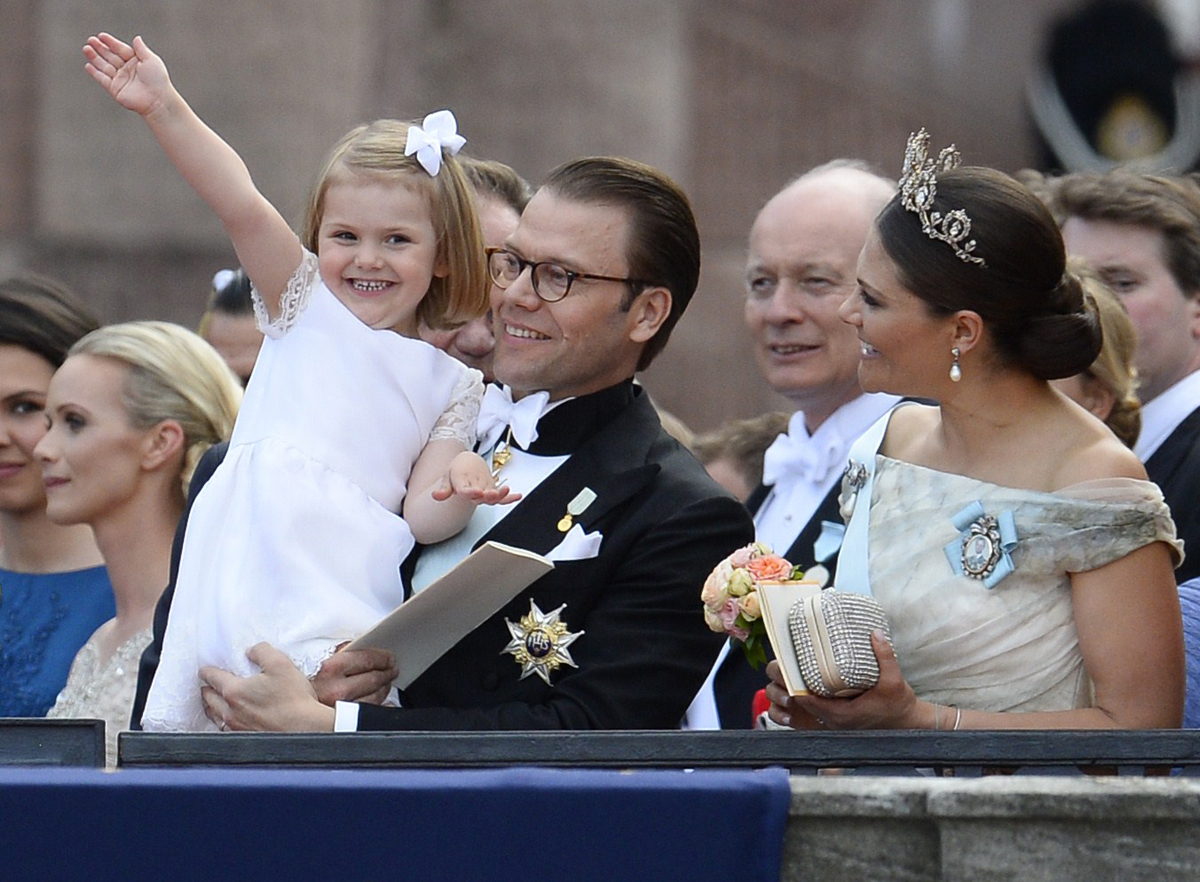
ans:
(551, 282)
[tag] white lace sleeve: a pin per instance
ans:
(458, 420)
(292, 302)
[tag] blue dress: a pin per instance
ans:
(44, 620)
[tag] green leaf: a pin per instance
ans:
(756, 655)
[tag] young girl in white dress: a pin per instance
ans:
(348, 417)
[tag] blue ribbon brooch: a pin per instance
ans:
(983, 549)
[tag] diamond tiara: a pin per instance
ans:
(918, 186)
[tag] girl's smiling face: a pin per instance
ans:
(377, 250)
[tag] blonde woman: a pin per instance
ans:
(130, 413)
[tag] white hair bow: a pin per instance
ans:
(438, 130)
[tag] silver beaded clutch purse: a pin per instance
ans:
(831, 633)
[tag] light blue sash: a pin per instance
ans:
(852, 573)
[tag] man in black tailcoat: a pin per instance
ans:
(803, 254)
(1142, 235)
(587, 290)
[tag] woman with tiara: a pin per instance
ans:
(1021, 556)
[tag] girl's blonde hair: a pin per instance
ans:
(1114, 367)
(173, 375)
(376, 151)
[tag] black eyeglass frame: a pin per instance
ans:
(532, 266)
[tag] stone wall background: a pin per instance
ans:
(731, 97)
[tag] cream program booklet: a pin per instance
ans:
(776, 600)
(423, 628)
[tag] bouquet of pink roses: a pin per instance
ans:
(730, 595)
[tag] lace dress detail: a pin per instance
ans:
(458, 421)
(103, 691)
(292, 302)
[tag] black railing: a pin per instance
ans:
(36, 742)
(965, 753)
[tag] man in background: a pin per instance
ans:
(802, 264)
(1141, 233)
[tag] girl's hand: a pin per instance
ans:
(469, 478)
(133, 75)
(889, 704)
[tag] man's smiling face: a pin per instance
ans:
(579, 344)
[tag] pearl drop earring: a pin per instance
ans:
(955, 369)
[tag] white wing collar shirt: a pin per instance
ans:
(801, 468)
(523, 472)
(550, 444)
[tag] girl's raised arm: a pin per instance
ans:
(137, 79)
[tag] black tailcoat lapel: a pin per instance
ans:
(1175, 468)
(645, 649)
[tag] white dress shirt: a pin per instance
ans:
(522, 473)
(1163, 415)
(796, 495)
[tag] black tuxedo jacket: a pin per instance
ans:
(736, 682)
(1175, 468)
(645, 648)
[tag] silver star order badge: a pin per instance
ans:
(539, 642)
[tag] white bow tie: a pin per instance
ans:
(498, 411)
(801, 458)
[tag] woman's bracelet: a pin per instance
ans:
(937, 717)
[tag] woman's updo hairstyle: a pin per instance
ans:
(1034, 308)
(173, 375)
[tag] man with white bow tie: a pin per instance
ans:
(586, 292)
(803, 254)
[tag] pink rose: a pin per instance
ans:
(745, 554)
(750, 607)
(716, 586)
(728, 613)
(770, 568)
